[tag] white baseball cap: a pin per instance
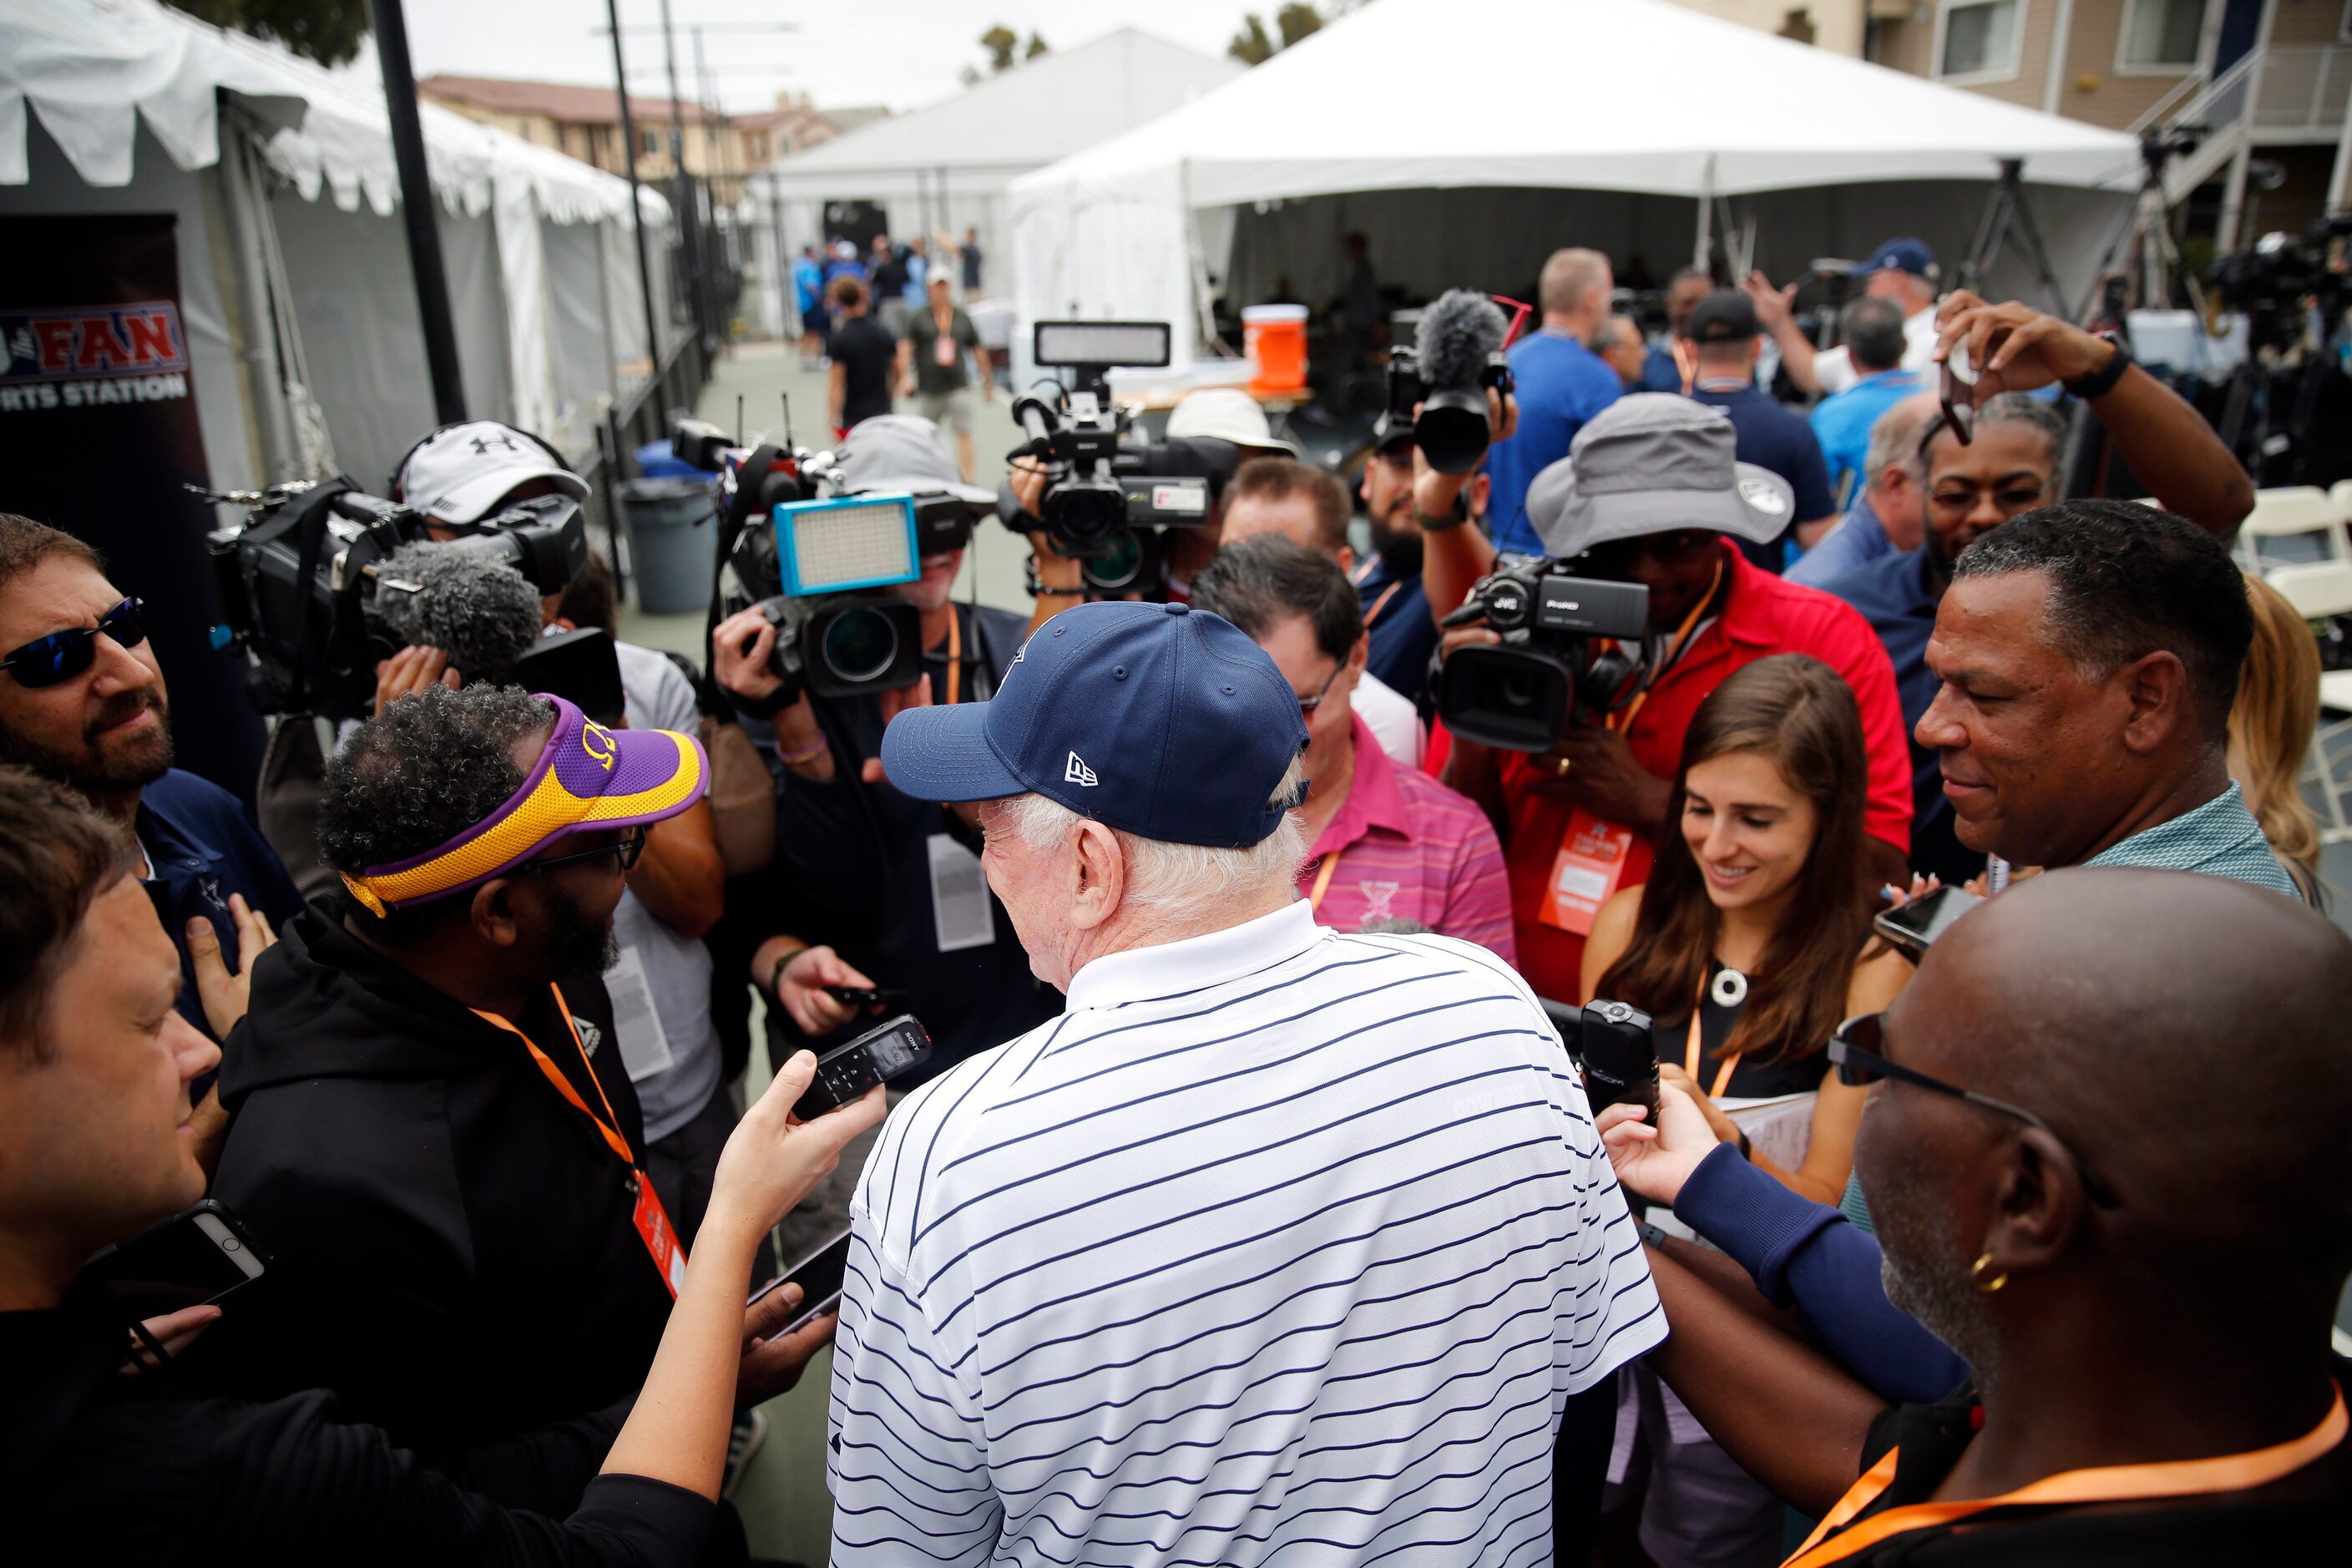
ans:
(1225, 413)
(460, 471)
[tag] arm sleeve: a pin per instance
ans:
(1805, 1255)
(288, 1485)
(907, 1459)
(1853, 650)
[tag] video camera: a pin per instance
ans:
(303, 590)
(1455, 359)
(1522, 696)
(1105, 492)
(811, 569)
(2270, 282)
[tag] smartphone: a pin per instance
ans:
(194, 1259)
(1915, 926)
(865, 995)
(888, 1050)
(819, 1275)
(1957, 394)
(1619, 1053)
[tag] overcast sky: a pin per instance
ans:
(903, 53)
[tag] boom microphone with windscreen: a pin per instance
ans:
(468, 604)
(1459, 349)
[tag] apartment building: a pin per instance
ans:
(584, 122)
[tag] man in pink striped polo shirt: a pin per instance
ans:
(1390, 842)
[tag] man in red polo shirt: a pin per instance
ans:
(1651, 493)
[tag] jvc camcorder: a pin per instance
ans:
(1106, 493)
(1522, 695)
(303, 591)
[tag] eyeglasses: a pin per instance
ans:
(2010, 500)
(1858, 1051)
(627, 850)
(1307, 705)
(61, 656)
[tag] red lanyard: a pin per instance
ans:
(2109, 1483)
(611, 1129)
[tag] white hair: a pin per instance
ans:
(1181, 883)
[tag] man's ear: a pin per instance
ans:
(494, 916)
(1482, 484)
(2155, 690)
(1100, 875)
(1362, 654)
(2038, 1205)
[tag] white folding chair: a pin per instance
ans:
(2319, 591)
(2297, 511)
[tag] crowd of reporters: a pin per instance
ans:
(1613, 706)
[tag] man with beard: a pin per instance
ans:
(85, 704)
(1396, 606)
(2008, 465)
(2141, 1282)
(433, 1139)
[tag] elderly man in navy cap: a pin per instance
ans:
(1275, 1235)
(1902, 270)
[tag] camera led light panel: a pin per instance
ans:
(1140, 343)
(855, 541)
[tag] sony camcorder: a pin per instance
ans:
(1107, 493)
(304, 588)
(1522, 695)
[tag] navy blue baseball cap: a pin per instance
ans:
(1158, 719)
(1910, 256)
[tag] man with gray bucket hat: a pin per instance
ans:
(1651, 493)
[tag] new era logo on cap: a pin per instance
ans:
(1077, 772)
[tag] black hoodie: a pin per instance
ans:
(451, 1242)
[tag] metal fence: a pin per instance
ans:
(641, 417)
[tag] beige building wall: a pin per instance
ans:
(2095, 88)
(1835, 25)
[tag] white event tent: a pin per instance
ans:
(305, 347)
(1468, 139)
(946, 166)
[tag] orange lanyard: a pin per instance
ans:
(1690, 1051)
(1666, 661)
(1323, 880)
(955, 653)
(1382, 603)
(611, 1129)
(2109, 1483)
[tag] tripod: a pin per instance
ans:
(2144, 256)
(2005, 214)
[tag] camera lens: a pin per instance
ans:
(859, 645)
(1117, 568)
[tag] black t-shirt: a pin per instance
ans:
(867, 352)
(889, 277)
(2194, 1532)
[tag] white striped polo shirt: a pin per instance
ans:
(1279, 1246)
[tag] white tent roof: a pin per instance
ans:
(1624, 95)
(92, 68)
(1009, 124)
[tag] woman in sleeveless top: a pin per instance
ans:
(1757, 914)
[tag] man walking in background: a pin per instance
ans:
(932, 366)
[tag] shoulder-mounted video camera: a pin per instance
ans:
(303, 591)
(1546, 673)
(1105, 492)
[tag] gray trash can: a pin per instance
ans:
(673, 542)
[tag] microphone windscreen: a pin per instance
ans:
(467, 603)
(1457, 332)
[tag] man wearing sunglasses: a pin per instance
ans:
(1998, 454)
(2137, 1281)
(1652, 493)
(433, 1135)
(82, 701)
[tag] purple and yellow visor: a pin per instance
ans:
(587, 779)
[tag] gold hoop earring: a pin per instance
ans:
(1977, 1279)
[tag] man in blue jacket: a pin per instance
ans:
(1561, 383)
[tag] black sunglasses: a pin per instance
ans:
(628, 849)
(1857, 1050)
(61, 656)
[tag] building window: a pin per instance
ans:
(758, 148)
(2161, 35)
(651, 141)
(1980, 41)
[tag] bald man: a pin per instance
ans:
(2112, 1165)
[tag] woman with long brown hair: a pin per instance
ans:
(1750, 943)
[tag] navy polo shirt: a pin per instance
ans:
(1561, 385)
(1777, 438)
(1396, 614)
(1894, 596)
(203, 847)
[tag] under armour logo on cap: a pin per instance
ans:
(1077, 772)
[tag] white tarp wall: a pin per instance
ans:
(1825, 157)
(946, 166)
(126, 101)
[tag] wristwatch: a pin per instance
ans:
(766, 706)
(1039, 588)
(1455, 518)
(2102, 381)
